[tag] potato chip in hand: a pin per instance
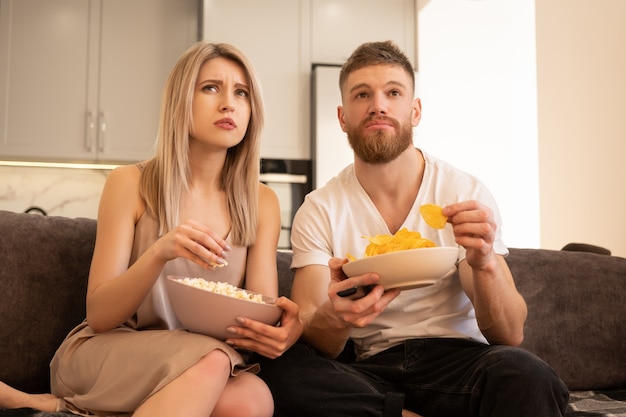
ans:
(431, 213)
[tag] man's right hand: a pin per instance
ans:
(361, 311)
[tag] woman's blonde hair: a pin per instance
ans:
(166, 176)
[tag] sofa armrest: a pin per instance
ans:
(43, 282)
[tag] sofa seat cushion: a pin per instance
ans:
(575, 314)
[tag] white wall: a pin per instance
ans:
(531, 97)
(476, 80)
(581, 74)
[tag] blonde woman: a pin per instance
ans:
(196, 209)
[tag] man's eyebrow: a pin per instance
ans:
(394, 83)
(391, 83)
(359, 87)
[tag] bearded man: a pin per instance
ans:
(448, 349)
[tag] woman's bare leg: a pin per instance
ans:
(12, 398)
(245, 395)
(194, 393)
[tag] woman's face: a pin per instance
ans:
(221, 104)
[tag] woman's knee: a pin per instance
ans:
(215, 363)
(245, 395)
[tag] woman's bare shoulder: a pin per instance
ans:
(267, 196)
(265, 191)
(125, 172)
(121, 190)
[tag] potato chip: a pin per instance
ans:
(404, 239)
(431, 213)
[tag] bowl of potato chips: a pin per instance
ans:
(404, 260)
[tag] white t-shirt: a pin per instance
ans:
(332, 221)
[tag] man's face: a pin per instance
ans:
(378, 112)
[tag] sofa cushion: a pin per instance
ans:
(285, 273)
(575, 305)
(43, 280)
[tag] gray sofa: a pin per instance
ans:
(576, 303)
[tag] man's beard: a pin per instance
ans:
(380, 146)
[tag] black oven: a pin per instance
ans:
(291, 179)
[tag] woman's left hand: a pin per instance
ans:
(266, 340)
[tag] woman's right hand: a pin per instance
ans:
(196, 242)
(264, 339)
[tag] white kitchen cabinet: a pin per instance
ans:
(339, 26)
(269, 33)
(81, 80)
(284, 38)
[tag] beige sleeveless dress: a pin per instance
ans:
(112, 373)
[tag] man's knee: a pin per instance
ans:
(525, 372)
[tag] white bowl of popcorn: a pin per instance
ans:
(209, 307)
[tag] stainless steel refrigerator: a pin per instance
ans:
(330, 151)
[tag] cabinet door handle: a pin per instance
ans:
(102, 133)
(91, 131)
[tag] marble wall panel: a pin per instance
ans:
(66, 192)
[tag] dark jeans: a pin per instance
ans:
(432, 377)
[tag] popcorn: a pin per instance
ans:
(223, 288)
